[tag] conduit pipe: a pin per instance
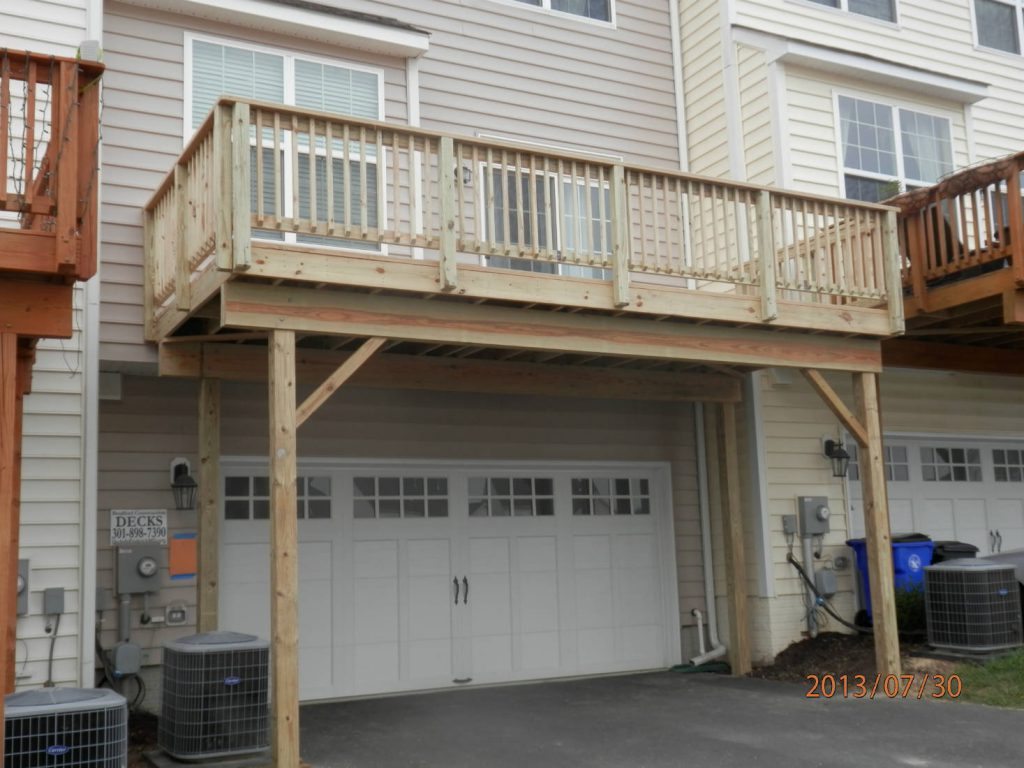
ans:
(717, 649)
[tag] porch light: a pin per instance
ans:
(835, 451)
(183, 485)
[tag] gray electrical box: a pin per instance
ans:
(126, 659)
(53, 601)
(814, 514)
(22, 587)
(137, 569)
(825, 582)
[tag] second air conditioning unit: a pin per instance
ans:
(973, 606)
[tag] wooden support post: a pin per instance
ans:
(223, 186)
(343, 373)
(241, 187)
(9, 401)
(736, 561)
(449, 274)
(284, 565)
(67, 173)
(766, 252)
(893, 271)
(209, 503)
(622, 241)
(876, 527)
(88, 177)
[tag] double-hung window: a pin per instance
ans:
(876, 9)
(887, 149)
(599, 10)
(229, 69)
(998, 24)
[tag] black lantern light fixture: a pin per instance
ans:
(183, 485)
(839, 457)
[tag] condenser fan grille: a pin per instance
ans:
(973, 605)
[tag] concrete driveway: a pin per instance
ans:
(655, 720)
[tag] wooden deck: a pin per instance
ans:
(271, 211)
(964, 271)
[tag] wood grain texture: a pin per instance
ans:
(9, 448)
(908, 353)
(736, 557)
(35, 309)
(343, 373)
(831, 398)
(209, 504)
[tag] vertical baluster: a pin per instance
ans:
(509, 192)
(296, 208)
(30, 131)
(460, 195)
(415, 188)
(655, 224)
(588, 222)
(825, 260)
(987, 240)
(428, 188)
(260, 213)
(380, 177)
(1001, 223)
(749, 205)
(395, 186)
(962, 228)
(802, 238)
(524, 240)
(856, 250)
(878, 250)
(702, 227)
(363, 199)
(329, 177)
(560, 248)
(717, 243)
(641, 188)
(278, 178)
(548, 211)
(346, 179)
(312, 176)
(975, 215)
(5, 108)
(534, 233)
(492, 240)
(481, 199)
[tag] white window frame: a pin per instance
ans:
(289, 57)
(844, 8)
(1018, 6)
(901, 175)
(546, 8)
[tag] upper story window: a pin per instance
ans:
(887, 149)
(599, 10)
(998, 24)
(876, 9)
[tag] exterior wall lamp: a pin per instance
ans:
(183, 485)
(839, 457)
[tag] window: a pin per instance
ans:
(944, 465)
(511, 497)
(600, 10)
(607, 495)
(887, 149)
(400, 497)
(248, 498)
(221, 69)
(998, 24)
(897, 462)
(1009, 465)
(876, 9)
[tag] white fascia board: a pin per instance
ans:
(300, 22)
(866, 68)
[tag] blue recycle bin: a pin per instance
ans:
(911, 552)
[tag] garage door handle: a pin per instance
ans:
(999, 542)
(455, 581)
(465, 590)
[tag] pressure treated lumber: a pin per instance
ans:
(846, 417)
(736, 560)
(344, 372)
(8, 509)
(908, 353)
(284, 552)
(35, 309)
(876, 527)
(209, 503)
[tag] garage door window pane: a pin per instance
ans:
(1008, 465)
(508, 496)
(399, 497)
(611, 495)
(246, 497)
(951, 464)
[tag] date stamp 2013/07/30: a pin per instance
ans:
(830, 686)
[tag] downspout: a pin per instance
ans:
(717, 649)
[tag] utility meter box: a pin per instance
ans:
(137, 569)
(22, 587)
(814, 515)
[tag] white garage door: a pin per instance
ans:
(950, 488)
(418, 577)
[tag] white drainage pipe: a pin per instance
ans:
(717, 649)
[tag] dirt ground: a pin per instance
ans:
(838, 654)
(141, 737)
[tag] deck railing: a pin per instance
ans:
(261, 171)
(969, 224)
(49, 144)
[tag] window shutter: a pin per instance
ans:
(223, 70)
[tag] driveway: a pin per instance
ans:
(655, 720)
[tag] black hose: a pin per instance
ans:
(115, 683)
(824, 601)
(49, 664)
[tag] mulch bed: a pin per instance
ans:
(141, 738)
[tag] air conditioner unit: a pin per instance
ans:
(65, 727)
(973, 605)
(215, 694)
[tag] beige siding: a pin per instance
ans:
(156, 421)
(795, 421)
(756, 112)
(52, 466)
(492, 67)
(934, 35)
(704, 85)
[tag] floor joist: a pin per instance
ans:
(254, 306)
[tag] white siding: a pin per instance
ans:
(492, 67)
(704, 85)
(52, 463)
(756, 112)
(156, 421)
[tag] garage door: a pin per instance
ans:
(416, 577)
(949, 488)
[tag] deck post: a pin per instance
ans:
(736, 561)
(1015, 216)
(241, 187)
(766, 252)
(893, 271)
(67, 174)
(621, 237)
(284, 566)
(876, 526)
(9, 449)
(223, 186)
(209, 503)
(183, 269)
(446, 159)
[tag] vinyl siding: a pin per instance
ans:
(756, 113)
(52, 448)
(934, 35)
(796, 420)
(156, 421)
(493, 67)
(704, 84)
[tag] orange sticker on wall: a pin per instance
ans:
(183, 556)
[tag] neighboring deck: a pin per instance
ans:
(518, 247)
(964, 271)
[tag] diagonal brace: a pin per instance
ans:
(344, 372)
(846, 417)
